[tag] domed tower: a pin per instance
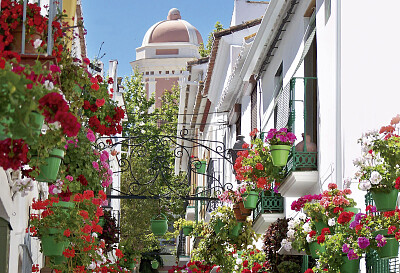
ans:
(167, 47)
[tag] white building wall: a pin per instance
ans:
(244, 11)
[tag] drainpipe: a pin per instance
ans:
(339, 140)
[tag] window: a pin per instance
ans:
(278, 83)
(327, 10)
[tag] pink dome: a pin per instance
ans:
(174, 29)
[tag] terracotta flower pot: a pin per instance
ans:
(238, 214)
(243, 210)
(16, 44)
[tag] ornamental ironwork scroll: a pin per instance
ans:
(146, 182)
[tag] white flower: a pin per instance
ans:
(309, 239)
(302, 216)
(37, 43)
(92, 266)
(307, 227)
(290, 233)
(249, 246)
(347, 183)
(94, 234)
(331, 222)
(239, 261)
(286, 245)
(358, 175)
(365, 185)
(48, 85)
(375, 177)
(291, 224)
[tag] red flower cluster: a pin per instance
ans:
(69, 253)
(13, 153)
(193, 266)
(321, 238)
(397, 183)
(345, 217)
(55, 108)
(110, 126)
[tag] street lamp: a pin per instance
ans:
(237, 147)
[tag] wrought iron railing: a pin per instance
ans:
(268, 203)
(372, 262)
(181, 245)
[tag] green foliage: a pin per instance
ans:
(204, 52)
(214, 248)
(150, 156)
(289, 267)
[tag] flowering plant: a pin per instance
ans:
(280, 137)
(84, 167)
(193, 266)
(79, 226)
(214, 248)
(253, 261)
(378, 168)
(300, 233)
(230, 196)
(255, 166)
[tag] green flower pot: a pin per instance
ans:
(58, 259)
(315, 248)
(49, 172)
(385, 201)
(279, 154)
(218, 226)
(159, 227)
(250, 199)
(389, 250)
(51, 247)
(154, 264)
(349, 266)
(63, 204)
(235, 231)
(187, 230)
(200, 166)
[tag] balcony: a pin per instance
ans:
(296, 109)
(269, 208)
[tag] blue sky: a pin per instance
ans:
(121, 24)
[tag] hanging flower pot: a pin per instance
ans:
(385, 201)
(51, 247)
(235, 231)
(200, 166)
(279, 154)
(154, 264)
(159, 226)
(243, 210)
(250, 199)
(320, 226)
(390, 249)
(58, 259)
(315, 248)
(349, 266)
(63, 204)
(218, 226)
(187, 230)
(238, 215)
(49, 172)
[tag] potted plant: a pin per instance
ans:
(235, 198)
(280, 142)
(300, 234)
(253, 260)
(378, 167)
(185, 225)
(159, 224)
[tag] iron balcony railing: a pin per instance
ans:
(269, 202)
(372, 261)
